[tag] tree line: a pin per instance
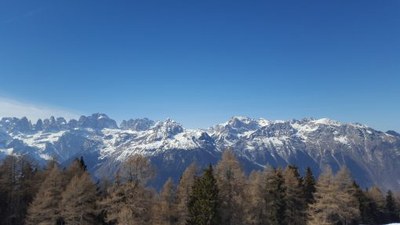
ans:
(217, 195)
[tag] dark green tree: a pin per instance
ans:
(309, 186)
(295, 204)
(391, 211)
(275, 197)
(367, 206)
(203, 203)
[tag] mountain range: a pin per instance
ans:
(372, 156)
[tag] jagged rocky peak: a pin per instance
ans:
(38, 125)
(97, 121)
(238, 124)
(51, 124)
(168, 128)
(137, 124)
(13, 124)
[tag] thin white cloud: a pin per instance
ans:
(13, 108)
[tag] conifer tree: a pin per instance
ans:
(255, 209)
(231, 184)
(275, 197)
(309, 186)
(183, 192)
(335, 200)
(295, 202)
(18, 185)
(44, 209)
(129, 202)
(76, 168)
(137, 169)
(346, 195)
(128, 198)
(8, 182)
(322, 210)
(377, 204)
(204, 202)
(78, 204)
(391, 210)
(366, 214)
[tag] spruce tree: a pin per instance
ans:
(295, 202)
(391, 210)
(275, 197)
(203, 204)
(309, 186)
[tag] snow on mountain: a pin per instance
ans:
(371, 155)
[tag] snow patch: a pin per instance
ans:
(342, 139)
(328, 122)
(40, 139)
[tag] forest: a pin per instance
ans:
(220, 194)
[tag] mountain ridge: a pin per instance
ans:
(370, 154)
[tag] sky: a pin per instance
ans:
(201, 62)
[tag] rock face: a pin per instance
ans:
(137, 124)
(372, 156)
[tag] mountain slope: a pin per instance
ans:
(372, 156)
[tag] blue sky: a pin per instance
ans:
(201, 62)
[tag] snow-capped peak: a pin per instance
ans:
(326, 121)
(168, 128)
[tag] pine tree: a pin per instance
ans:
(165, 208)
(204, 202)
(44, 209)
(391, 210)
(183, 192)
(231, 184)
(275, 197)
(309, 186)
(78, 204)
(295, 202)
